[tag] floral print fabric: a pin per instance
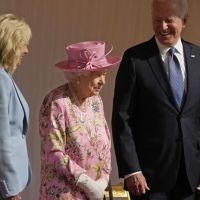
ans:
(72, 142)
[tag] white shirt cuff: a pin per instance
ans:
(128, 175)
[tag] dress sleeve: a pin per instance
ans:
(7, 167)
(4, 103)
(107, 150)
(53, 131)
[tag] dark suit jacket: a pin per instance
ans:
(149, 131)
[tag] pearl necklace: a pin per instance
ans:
(81, 115)
(81, 107)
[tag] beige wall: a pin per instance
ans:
(56, 23)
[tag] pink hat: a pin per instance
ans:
(87, 56)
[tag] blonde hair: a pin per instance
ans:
(15, 33)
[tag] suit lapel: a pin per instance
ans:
(23, 104)
(157, 67)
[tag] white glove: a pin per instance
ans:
(102, 183)
(93, 189)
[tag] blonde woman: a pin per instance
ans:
(15, 174)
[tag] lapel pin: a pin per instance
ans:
(192, 56)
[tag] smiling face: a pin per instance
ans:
(93, 83)
(167, 22)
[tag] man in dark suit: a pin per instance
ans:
(156, 124)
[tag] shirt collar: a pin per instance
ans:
(163, 49)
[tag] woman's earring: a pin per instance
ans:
(77, 82)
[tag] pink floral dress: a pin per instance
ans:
(72, 142)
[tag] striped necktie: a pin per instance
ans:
(175, 77)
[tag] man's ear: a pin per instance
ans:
(185, 21)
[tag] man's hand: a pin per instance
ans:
(137, 184)
(198, 189)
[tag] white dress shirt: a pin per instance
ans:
(178, 53)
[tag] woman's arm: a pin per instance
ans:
(53, 131)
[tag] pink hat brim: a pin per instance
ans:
(65, 65)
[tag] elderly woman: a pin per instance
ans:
(14, 112)
(75, 147)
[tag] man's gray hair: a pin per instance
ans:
(180, 6)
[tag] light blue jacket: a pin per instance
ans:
(15, 170)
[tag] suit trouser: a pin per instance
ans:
(181, 191)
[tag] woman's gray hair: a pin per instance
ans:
(73, 76)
